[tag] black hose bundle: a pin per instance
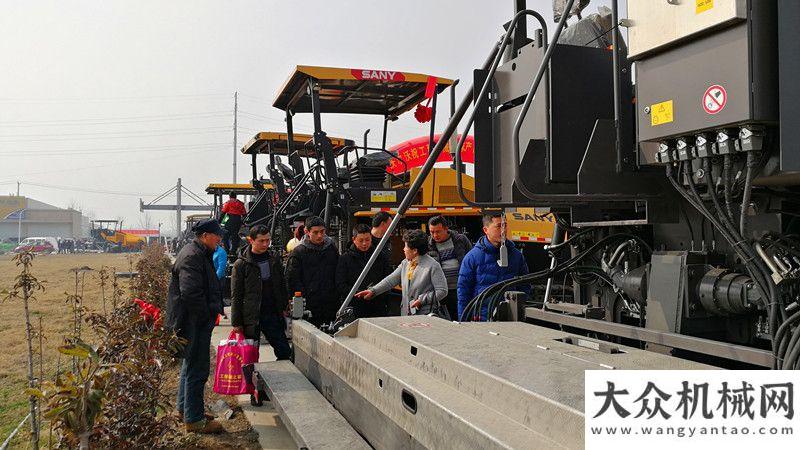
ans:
(491, 296)
(784, 330)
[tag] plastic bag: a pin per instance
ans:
(233, 354)
(560, 5)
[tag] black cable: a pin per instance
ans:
(497, 288)
(753, 263)
(726, 183)
(748, 185)
(689, 225)
(770, 300)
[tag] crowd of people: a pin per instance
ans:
(441, 272)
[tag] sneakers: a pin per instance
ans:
(205, 426)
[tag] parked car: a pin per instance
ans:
(43, 245)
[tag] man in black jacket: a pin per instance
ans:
(193, 303)
(448, 248)
(311, 270)
(351, 263)
(258, 293)
(380, 225)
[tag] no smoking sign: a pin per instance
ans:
(715, 99)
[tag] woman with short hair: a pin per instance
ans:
(420, 277)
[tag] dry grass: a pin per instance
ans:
(56, 316)
(57, 322)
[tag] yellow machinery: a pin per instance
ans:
(109, 236)
(438, 196)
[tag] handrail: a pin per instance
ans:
(414, 189)
(483, 93)
(544, 198)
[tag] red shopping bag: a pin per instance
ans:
(233, 354)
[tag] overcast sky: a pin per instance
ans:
(103, 102)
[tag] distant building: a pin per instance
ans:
(38, 219)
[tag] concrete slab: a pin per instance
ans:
(265, 420)
(438, 384)
(312, 421)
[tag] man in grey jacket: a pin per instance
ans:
(420, 277)
(448, 248)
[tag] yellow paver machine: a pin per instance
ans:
(333, 177)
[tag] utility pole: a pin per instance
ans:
(178, 207)
(235, 131)
(19, 219)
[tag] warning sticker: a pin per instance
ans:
(526, 235)
(383, 196)
(715, 99)
(703, 6)
(661, 113)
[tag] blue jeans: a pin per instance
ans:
(195, 370)
(274, 328)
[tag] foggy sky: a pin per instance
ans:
(123, 97)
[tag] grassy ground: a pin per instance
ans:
(57, 321)
(56, 317)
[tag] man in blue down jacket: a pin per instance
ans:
(479, 269)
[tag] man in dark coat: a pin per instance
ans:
(311, 270)
(258, 293)
(380, 225)
(448, 248)
(351, 263)
(193, 303)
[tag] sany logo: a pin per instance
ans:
(382, 75)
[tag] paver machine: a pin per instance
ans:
(108, 235)
(220, 191)
(352, 177)
(298, 189)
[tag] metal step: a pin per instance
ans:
(490, 385)
(310, 419)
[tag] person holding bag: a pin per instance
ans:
(193, 303)
(234, 371)
(420, 277)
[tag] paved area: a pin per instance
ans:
(272, 434)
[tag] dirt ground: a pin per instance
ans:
(57, 320)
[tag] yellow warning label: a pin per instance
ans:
(515, 235)
(703, 6)
(661, 113)
(383, 196)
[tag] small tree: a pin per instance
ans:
(152, 281)
(75, 400)
(25, 287)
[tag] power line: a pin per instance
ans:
(103, 148)
(117, 150)
(117, 163)
(110, 99)
(107, 133)
(111, 120)
(115, 137)
(86, 190)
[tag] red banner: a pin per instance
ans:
(415, 152)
